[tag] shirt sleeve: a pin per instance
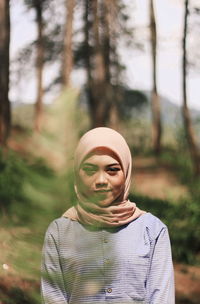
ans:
(52, 284)
(160, 282)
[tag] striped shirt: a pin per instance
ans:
(128, 264)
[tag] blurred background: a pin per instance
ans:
(70, 65)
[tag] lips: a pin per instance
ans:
(102, 191)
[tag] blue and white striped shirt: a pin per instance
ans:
(128, 264)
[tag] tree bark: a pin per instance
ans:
(101, 95)
(155, 99)
(98, 106)
(39, 66)
(5, 112)
(112, 72)
(87, 57)
(68, 52)
(99, 71)
(193, 147)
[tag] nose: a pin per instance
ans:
(101, 180)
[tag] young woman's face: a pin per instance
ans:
(102, 179)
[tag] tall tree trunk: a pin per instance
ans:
(98, 26)
(99, 71)
(68, 52)
(87, 12)
(110, 10)
(193, 147)
(155, 99)
(39, 66)
(87, 57)
(5, 114)
(98, 85)
(106, 27)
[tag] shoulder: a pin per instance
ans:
(152, 221)
(151, 225)
(58, 225)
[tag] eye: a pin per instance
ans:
(89, 170)
(113, 170)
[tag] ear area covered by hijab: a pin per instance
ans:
(89, 213)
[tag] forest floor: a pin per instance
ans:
(150, 178)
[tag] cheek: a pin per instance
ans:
(119, 182)
(85, 180)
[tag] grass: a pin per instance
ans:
(33, 193)
(23, 226)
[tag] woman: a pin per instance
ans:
(105, 249)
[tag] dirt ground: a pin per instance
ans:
(187, 280)
(156, 181)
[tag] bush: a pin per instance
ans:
(13, 174)
(19, 180)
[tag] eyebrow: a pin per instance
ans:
(114, 164)
(88, 164)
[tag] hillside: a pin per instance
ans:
(171, 112)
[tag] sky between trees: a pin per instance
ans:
(138, 64)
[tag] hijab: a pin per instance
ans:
(117, 213)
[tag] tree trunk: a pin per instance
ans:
(68, 52)
(106, 24)
(39, 67)
(99, 70)
(5, 114)
(98, 64)
(113, 96)
(155, 99)
(98, 89)
(87, 57)
(193, 147)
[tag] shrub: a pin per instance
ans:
(12, 176)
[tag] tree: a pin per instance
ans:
(5, 113)
(38, 6)
(53, 20)
(68, 52)
(193, 147)
(112, 68)
(100, 59)
(92, 53)
(99, 70)
(155, 100)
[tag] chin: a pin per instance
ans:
(106, 202)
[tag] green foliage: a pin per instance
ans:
(179, 159)
(132, 100)
(22, 183)
(16, 295)
(31, 197)
(12, 177)
(138, 139)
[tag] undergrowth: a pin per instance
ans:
(31, 196)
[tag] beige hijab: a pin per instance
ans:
(88, 213)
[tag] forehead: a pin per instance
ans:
(102, 151)
(101, 159)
